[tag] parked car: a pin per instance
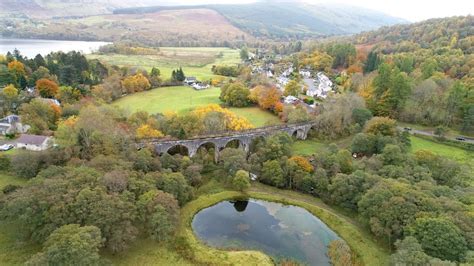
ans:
(6, 147)
(460, 138)
(407, 128)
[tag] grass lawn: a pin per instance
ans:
(451, 152)
(182, 99)
(195, 61)
(147, 252)
(311, 146)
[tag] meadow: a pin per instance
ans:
(182, 99)
(454, 153)
(195, 61)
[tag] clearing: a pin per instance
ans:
(457, 154)
(195, 61)
(182, 99)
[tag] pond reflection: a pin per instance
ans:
(278, 230)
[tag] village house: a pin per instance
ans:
(200, 86)
(190, 80)
(319, 87)
(11, 125)
(33, 142)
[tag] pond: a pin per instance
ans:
(32, 47)
(281, 231)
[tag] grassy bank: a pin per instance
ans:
(367, 251)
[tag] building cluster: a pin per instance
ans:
(195, 84)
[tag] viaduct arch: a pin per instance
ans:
(220, 141)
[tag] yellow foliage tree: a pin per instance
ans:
(136, 83)
(146, 132)
(232, 121)
(303, 163)
(10, 91)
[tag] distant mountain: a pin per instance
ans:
(274, 19)
(291, 19)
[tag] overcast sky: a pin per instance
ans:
(413, 10)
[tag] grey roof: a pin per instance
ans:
(10, 119)
(32, 139)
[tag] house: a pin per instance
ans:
(49, 101)
(11, 125)
(306, 74)
(190, 80)
(200, 86)
(33, 142)
(291, 100)
(319, 87)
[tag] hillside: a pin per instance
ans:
(193, 27)
(170, 25)
(285, 19)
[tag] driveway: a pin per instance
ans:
(431, 134)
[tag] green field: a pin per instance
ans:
(195, 61)
(182, 99)
(6, 179)
(451, 152)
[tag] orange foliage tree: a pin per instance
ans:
(266, 97)
(47, 88)
(17, 67)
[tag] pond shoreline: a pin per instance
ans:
(366, 251)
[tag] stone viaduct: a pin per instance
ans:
(219, 141)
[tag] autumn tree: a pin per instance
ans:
(47, 88)
(293, 88)
(381, 125)
(136, 83)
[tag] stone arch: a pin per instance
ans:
(178, 149)
(209, 146)
(254, 141)
(233, 143)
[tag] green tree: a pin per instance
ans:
(241, 180)
(244, 53)
(372, 62)
(71, 245)
(235, 94)
(272, 174)
(409, 252)
(175, 184)
(233, 160)
(361, 115)
(292, 88)
(440, 238)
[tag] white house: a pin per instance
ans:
(33, 142)
(12, 124)
(190, 80)
(200, 86)
(320, 87)
(291, 99)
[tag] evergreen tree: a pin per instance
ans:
(372, 62)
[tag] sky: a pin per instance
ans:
(412, 10)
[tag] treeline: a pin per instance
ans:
(418, 73)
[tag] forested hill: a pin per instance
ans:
(454, 32)
(285, 19)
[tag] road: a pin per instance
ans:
(431, 134)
